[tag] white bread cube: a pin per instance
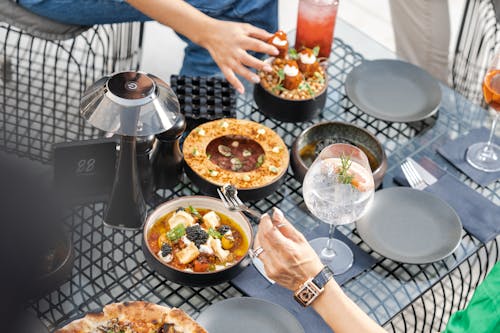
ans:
(188, 254)
(219, 251)
(211, 220)
(181, 217)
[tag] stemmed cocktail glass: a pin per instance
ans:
(485, 156)
(338, 188)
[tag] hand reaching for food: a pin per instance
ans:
(228, 43)
(288, 258)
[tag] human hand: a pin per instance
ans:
(288, 258)
(228, 43)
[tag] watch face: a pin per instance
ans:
(307, 293)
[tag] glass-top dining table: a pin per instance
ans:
(110, 266)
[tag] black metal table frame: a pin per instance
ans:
(110, 266)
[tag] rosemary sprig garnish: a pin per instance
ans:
(343, 176)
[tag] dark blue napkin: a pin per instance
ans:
(454, 151)
(253, 284)
(479, 216)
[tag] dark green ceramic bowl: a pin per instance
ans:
(310, 142)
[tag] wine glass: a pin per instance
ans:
(485, 156)
(338, 188)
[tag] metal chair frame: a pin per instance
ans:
(41, 82)
(478, 39)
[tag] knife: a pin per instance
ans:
(259, 266)
(428, 177)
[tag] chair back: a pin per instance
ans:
(478, 39)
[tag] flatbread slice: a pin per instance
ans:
(134, 317)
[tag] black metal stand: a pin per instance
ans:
(168, 161)
(127, 208)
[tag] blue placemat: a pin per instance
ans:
(253, 284)
(454, 151)
(479, 216)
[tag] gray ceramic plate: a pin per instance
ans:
(393, 90)
(410, 226)
(248, 315)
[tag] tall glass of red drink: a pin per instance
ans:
(315, 25)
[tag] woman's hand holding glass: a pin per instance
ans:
(290, 261)
(288, 258)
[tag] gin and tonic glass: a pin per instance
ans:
(338, 188)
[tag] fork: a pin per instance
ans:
(229, 196)
(414, 178)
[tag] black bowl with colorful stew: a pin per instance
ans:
(196, 241)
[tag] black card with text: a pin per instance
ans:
(84, 170)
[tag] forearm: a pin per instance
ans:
(342, 314)
(227, 42)
(178, 15)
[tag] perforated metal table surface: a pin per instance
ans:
(110, 266)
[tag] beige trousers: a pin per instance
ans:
(422, 34)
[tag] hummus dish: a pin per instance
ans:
(239, 152)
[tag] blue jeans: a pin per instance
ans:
(197, 60)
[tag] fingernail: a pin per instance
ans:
(278, 214)
(241, 90)
(267, 68)
(275, 51)
(255, 79)
(265, 215)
